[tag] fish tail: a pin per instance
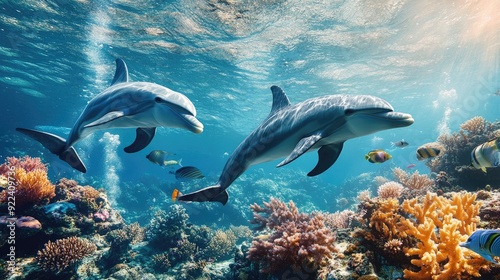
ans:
(57, 146)
(180, 162)
(175, 194)
(367, 157)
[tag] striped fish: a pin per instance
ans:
(486, 155)
(427, 152)
(188, 172)
(485, 242)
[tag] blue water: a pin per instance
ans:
(439, 64)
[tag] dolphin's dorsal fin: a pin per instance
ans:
(121, 74)
(280, 100)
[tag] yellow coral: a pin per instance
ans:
(32, 187)
(439, 256)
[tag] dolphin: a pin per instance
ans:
(141, 105)
(322, 123)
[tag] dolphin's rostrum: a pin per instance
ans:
(141, 105)
(322, 123)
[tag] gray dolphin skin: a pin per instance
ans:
(322, 123)
(140, 105)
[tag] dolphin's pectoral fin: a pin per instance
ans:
(213, 193)
(303, 146)
(56, 145)
(121, 73)
(143, 137)
(328, 155)
(111, 116)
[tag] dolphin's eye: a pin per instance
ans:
(157, 100)
(468, 240)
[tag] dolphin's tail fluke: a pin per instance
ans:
(57, 146)
(213, 193)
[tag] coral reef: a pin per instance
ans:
(390, 190)
(59, 255)
(221, 244)
(439, 256)
(295, 240)
(166, 228)
(416, 184)
(456, 161)
(31, 188)
(27, 163)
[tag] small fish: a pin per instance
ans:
(486, 155)
(485, 242)
(188, 172)
(158, 157)
(401, 144)
(410, 166)
(427, 152)
(172, 162)
(377, 156)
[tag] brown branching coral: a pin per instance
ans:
(416, 183)
(31, 188)
(221, 244)
(296, 239)
(386, 221)
(58, 255)
(475, 126)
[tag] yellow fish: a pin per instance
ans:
(377, 156)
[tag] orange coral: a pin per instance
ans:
(439, 256)
(386, 220)
(32, 187)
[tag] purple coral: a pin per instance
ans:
(297, 239)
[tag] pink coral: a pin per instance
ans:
(297, 239)
(390, 190)
(27, 163)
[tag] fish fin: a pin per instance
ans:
(280, 100)
(328, 155)
(367, 157)
(180, 162)
(213, 193)
(143, 137)
(303, 146)
(111, 116)
(56, 145)
(121, 73)
(483, 169)
(488, 258)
